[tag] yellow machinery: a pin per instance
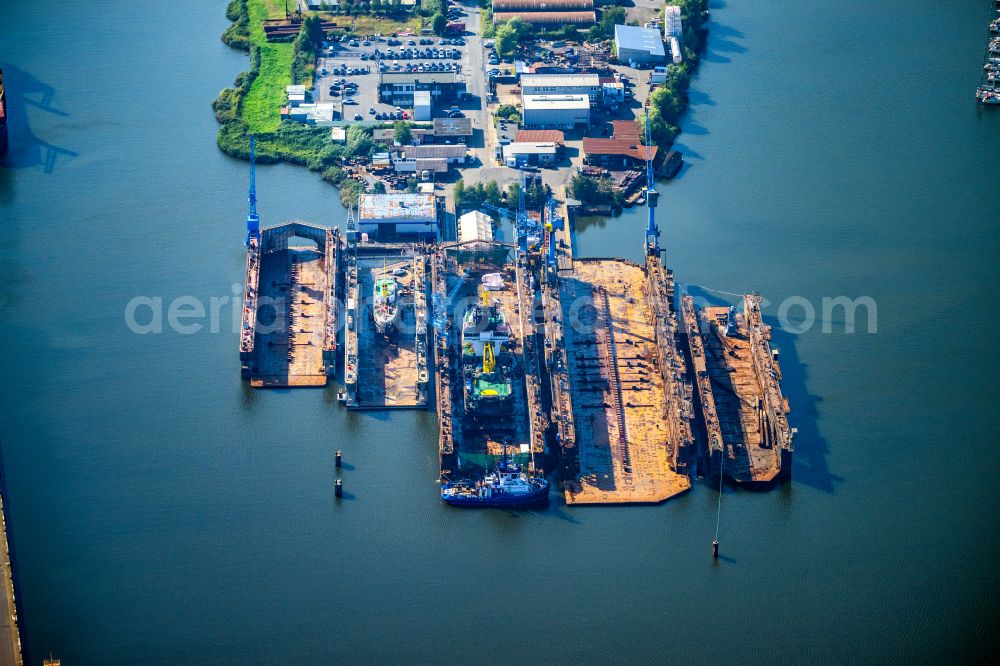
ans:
(489, 362)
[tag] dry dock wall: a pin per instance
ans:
(10, 638)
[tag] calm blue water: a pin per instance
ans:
(161, 511)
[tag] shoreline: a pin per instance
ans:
(311, 145)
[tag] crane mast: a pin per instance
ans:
(253, 220)
(652, 230)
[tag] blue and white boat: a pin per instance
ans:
(506, 486)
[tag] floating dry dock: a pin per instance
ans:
(385, 370)
(289, 332)
(619, 390)
(468, 443)
(738, 395)
(580, 366)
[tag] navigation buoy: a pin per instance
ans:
(338, 488)
(715, 548)
(338, 457)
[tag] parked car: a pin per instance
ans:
(455, 114)
(372, 110)
(350, 100)
(358, 116)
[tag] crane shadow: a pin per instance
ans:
(25, 150)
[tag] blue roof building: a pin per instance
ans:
(641, 46)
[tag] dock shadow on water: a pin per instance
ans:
(26, 150)
(809, 462)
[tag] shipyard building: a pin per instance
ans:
(546, 12)
(641, 46)
(556, 111)
(386, 216)
(398, 88)
(562, 84)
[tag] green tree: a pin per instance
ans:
(505, 39)
(605, 28)
(359, 141)
(379, 187)
(585, 188)
(458, 194)
(313, 28)
(506, 111)
(402, 133)
(439, 23)
(491, 193)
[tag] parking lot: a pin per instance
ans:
(347, 73)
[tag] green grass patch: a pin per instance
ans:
(262, 105)
(261, 109)
(369, 25)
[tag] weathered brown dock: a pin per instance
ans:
(289, 333)
(741, 406)
(627, 391)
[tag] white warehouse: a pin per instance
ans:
(562, 84)
(556, 111)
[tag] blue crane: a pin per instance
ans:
(551, 220)
(524, 226)
(253, 220)
(652, 230)
(441, 308)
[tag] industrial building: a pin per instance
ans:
(617, 153)
(540, 136)
(310, 114)
(641, 46)
(517, 154)
(450, 130)
(549, 18)
(520, 6)
(388, 215)
(546, 12)
(422, 107)
(296, 95)
(475, 226)
(397, 88)
(556, 111)
(433, 158)
(562, 84)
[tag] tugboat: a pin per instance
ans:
(506, 486)
(486, 359)
(386, 309)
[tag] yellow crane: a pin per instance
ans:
(489, 362)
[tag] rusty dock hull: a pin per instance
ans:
(742, 412)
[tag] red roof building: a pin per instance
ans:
(539, 136)
(616, 153)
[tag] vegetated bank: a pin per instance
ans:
(252, 105)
